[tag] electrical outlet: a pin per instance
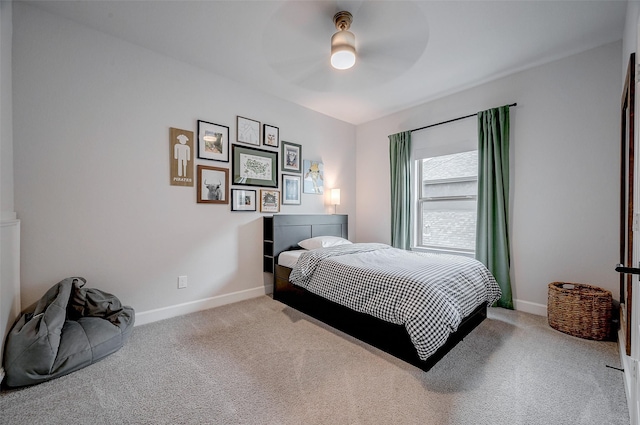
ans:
(182, 282)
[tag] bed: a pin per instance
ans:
(420, 341)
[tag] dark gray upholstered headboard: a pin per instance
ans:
(283, 232)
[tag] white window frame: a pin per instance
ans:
(417, 211)
(449, 138)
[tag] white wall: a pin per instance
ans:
(565, 169)
(91, 126)
(6, 127)
(91, 119)
(630, 34)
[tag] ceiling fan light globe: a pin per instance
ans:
(343, 60)
(343, 50)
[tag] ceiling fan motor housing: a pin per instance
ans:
(343, 42)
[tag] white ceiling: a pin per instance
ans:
(409, 52)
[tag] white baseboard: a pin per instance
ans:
(198, 305)
(207, 303)
(529, 307)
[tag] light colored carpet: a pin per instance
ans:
(261, 362)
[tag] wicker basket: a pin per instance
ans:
(580, 310)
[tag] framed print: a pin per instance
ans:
(291, 157)
(270, 135)
(213, 141)
(181, 154)
(269, 200)
(213, 185)
(313, 177)
(243, 200)
(254, 167)
(248, 131)
(291, 189)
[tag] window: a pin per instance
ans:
(446, 202)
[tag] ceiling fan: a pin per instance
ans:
(389, 38)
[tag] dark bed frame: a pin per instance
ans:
(283, 232)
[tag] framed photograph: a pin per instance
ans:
(213, 185)
(254, 167)
(313, 177)
(291, 189)
(291, 157)
(213, 141)
(269, 200)
(243, 200)
(270, 135)
(248, 131)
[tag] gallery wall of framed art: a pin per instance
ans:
(254, 157)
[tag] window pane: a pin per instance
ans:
(448, 191)
(450, 175)
(454, 166)
(449, 224)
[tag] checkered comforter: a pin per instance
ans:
(429, 293)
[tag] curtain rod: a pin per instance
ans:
(452, 120)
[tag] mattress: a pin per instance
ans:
(289, 258)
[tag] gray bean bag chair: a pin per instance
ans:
(71, 327)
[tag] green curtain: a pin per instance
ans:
(400, 156)
(492, 228)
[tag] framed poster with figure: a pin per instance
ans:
(181, 157)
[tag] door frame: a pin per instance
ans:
(627, 176)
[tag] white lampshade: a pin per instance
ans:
(335, 196)
(343, 50)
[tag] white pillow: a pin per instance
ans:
(322, 242)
